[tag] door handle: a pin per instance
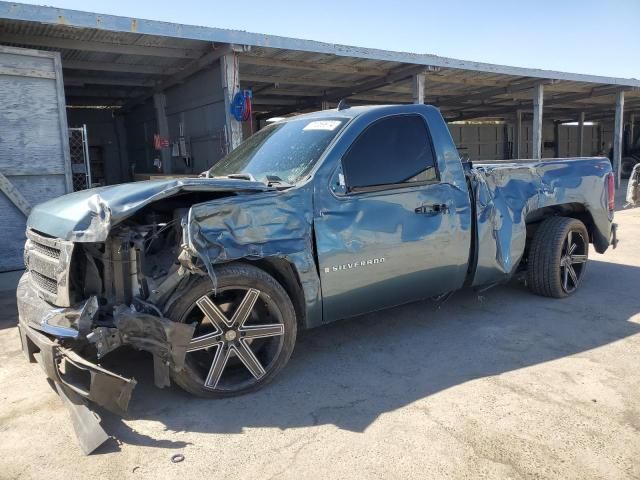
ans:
(434, 209)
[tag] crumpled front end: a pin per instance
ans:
(68, 343)
(96, 283)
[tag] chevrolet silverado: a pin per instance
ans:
(316, 218)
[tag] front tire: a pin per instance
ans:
(558, 257)
(245, 332)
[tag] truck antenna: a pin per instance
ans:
(342, 104)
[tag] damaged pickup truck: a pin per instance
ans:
(313, 219)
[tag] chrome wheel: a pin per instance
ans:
(572, 260)
(238, 338)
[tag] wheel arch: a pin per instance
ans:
(570, 210)
(286, 274)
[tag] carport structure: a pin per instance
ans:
(128, 64)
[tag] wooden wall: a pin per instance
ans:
(34, 151)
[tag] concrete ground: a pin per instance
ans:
(507, 385)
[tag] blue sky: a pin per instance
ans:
(587, 36)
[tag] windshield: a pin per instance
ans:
(284, 151)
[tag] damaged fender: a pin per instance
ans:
(273, 224)
(508, 195)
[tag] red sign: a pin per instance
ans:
(159, 142)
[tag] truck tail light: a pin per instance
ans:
(611, 192)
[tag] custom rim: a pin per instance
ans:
(572, 261)
(238, 338)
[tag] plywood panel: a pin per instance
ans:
(34, 154)
(30, 127)
(480, 142)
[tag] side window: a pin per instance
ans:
(393, 150)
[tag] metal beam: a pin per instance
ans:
(195, 66)
(538, 103)
(276, 80)
(398, 74)
(506, 109)
(500, 111)
(81, 81)
(595, 92)
(581, 135)
(186, 71)
(517, 135)
(312, 66)
(103, 92)
(365, 97)
(287, 92)
(93, 101)
(117, 67)
(230, 85)
(277, 101)
(102, 47)
(160, 105)
(556, 139)
(274, 86)
(492, 92)
(617, 137)
(417, 86)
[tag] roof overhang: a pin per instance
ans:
(115, 59)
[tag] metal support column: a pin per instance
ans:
(556, 139)
(617, 136)
(601, 145)
(581, 135)
(538, 103)
(121, 139)
(517, 136)
(417, 88)
(632, 128)
(160, 105)
(230, 71)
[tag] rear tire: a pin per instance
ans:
(557, 257)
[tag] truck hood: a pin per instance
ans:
(89, 215)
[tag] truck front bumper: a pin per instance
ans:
(48, 337)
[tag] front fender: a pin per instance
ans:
(272, 224)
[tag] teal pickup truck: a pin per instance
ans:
(315, 218)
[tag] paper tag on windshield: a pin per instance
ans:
(329, 125)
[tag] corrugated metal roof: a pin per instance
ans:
(282, 71)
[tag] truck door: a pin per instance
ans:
(388, 231)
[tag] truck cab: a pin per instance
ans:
(392, 213)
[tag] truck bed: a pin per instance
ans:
(510, 194)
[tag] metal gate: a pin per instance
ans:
(80, 162)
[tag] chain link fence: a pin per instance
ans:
(80, 163)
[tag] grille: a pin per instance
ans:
(44, 282)
(49, 261)
(46, 250)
